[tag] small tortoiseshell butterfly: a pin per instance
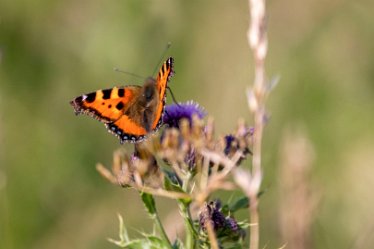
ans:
(129, 112)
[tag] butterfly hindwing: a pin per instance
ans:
(126, 129)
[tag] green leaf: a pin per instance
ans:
(149, 203)
(178, 244)
(239, 204)
(123, 236)
(149, 241)
(171, 182)
(172, 185)
(157, 242)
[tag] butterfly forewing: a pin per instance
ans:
(106, 105)
(165, 73)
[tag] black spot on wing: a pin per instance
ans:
(120, 106)
(91, 97)
(169, 62)
(106, 93)
(121, 92)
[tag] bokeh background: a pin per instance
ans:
(51, 51)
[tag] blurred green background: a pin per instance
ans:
(52, 51)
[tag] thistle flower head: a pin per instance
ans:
(225, 227)
(211, 213)
(176, 112)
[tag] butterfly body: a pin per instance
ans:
(129, 112)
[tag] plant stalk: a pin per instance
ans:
(191, 233)
(257, 39)
(162, 230)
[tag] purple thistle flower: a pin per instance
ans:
(226, 227)
(235, 142)
(229, 139)
(211, 213)
(232, 224)
(175, 112)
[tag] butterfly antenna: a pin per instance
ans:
(168, 45)
(172, 96)
(128, 73)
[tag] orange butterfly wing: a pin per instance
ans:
(110, 105)
(106, 105)
(127, 130)
(165, 73)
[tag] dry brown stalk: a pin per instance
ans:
(257, 39)
(298, 199)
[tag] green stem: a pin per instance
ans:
(162, 230)
(191, 233)
(150, 205)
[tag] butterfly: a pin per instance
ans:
(129, 112)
